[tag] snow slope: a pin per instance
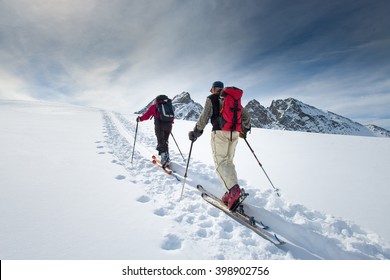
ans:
(70, 191)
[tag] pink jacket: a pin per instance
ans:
(152, 112)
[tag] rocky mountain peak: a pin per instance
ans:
(183, 97)
(185, 107)
(264, 117)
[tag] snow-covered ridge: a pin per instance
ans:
(378, 131)
(294, 115)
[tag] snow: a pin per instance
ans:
(70, 191)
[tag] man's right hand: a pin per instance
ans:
(193, 135)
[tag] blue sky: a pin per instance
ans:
(119, 54)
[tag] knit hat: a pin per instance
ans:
(217, 84)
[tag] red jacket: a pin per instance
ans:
(152, 112)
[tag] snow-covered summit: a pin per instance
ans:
(185, 107)
(294, 115)
(261, 116)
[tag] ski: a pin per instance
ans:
(166, 169)
(239, 210)
(241, 217)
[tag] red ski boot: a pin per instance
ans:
(234, 196)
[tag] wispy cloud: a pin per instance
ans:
(119, 54)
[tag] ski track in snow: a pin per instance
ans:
(198, 225)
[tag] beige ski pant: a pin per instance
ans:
(223, 154)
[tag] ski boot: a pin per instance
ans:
(165, 161)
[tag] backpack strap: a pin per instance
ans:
(214, 98)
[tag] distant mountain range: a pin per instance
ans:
(288, 114)
(292, 114)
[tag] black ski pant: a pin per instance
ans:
(162, 131)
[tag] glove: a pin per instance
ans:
(138, 119)
(193, 135)
(244, 132)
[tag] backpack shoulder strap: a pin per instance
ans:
(215, 101)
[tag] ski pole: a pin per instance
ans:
(185, 175)
(177, 146)
(275, 189)
(135, 138)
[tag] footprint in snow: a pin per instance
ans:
(202, 233)
(213, 212)
(190, 219)
(227, 226)
(117, 162)
(225, 235)
(220, 257)
(202, 217)
(206, 224)
(161, 212)
(120, 177)
(171, 242)
(249, 242)
(143, 199)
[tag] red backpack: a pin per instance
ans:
(231, 109)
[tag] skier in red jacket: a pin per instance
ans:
(162, 112)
